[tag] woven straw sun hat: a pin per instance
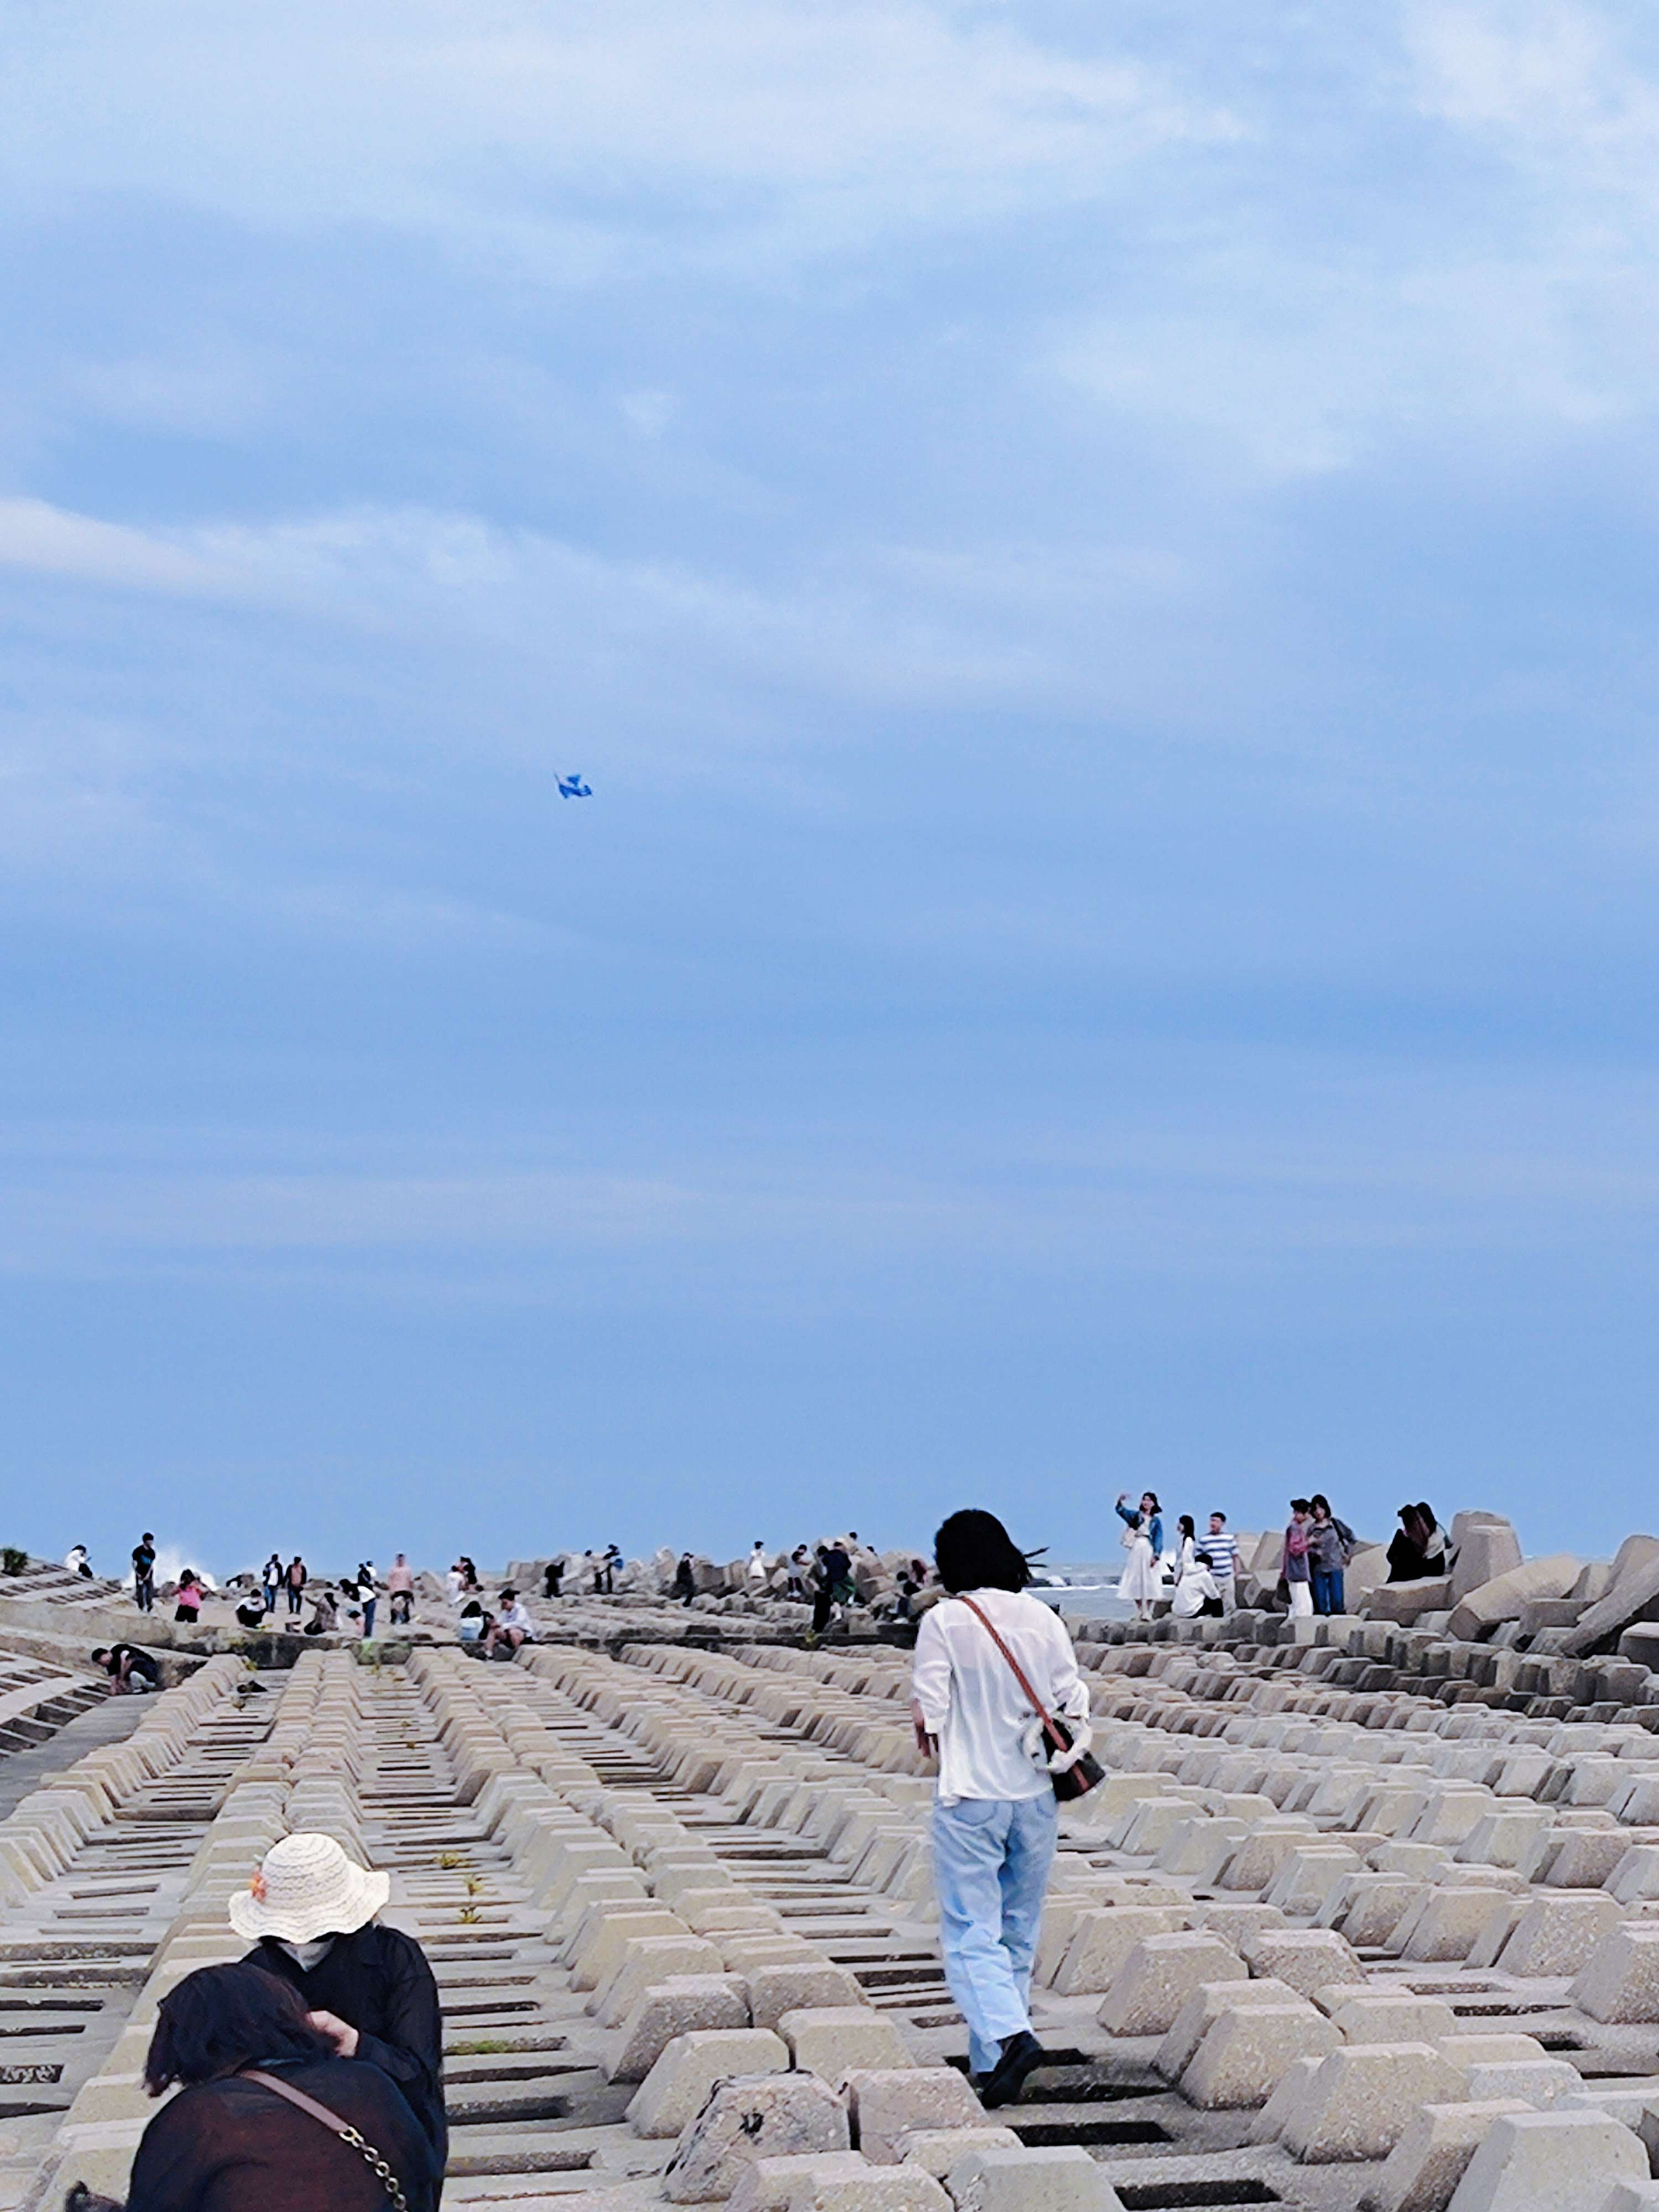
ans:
(308, 1887)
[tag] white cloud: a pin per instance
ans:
(902, 623)
(50, 541)
(825, 121)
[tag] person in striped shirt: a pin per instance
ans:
(1223, 1558)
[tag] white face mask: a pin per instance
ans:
(305, 1955)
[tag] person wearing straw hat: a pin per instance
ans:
(310, 1912)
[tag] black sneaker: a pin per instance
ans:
(1020, 2054)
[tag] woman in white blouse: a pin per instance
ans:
(994, 1817)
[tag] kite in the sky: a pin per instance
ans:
(572, 786)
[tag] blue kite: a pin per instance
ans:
(572, 786)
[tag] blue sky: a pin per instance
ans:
(1100, 564)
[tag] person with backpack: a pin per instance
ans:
(987, 1656)
(1330, 1547)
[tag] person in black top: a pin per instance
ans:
(228, 2143)
(834, 1576)
(128, 1667)
(312, 1911)
(143, 1572)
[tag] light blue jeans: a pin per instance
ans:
(991, 1861)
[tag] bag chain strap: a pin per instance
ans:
(388, 2179)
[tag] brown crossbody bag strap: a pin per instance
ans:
(1061, 1742)
(336, 2125)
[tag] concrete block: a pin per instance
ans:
(884, 2104)
(835, 2040)
(648, 1959)
(767, 2184)
(1102, 1942)
(1389, 2015)
(902, 2188)
(1427, 2163)
(679, 2006)
(1367, 1908)
(1306, 1960)
(1486, 1547)
(1247, 2048)
(937, 2149)
(1199, 2013)
(1063, 2178)
(1620, 1980)
(1557, 1935)
(1308, 1874)
(1158, 1976)
(596, 1952)
(1541, 2082)
(759, 2115)
(1363, 2098)
(1549, 2162)
(811, 1985)
(1482, 1605)
(1448, 1923)
(675, 2089)
(1632, 2196)
(1256, 1861)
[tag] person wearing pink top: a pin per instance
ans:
(400, 1589)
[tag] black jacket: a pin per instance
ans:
(233, 2145)
(377, 1980)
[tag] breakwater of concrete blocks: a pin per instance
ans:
(1365, 1914)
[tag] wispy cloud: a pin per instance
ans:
(818, 125)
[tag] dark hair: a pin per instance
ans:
(1216, 1516)
(1202, 1559)
(507, 1594)
(1152, 1494)
(220, 2018)
(1427, 1512)
(1185, 1525)
(1300, 1505)
(100, 1651)
(1320, 1503)
(974, 1551)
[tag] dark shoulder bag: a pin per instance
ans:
(1076, 1780)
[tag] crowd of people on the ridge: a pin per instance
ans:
(1197, 1574)
(1200, 1574)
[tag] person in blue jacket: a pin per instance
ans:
(1150, 1510)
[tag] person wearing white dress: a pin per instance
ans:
(1139, 1582)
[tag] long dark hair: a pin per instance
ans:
(220, 2018)
(974, 1551)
